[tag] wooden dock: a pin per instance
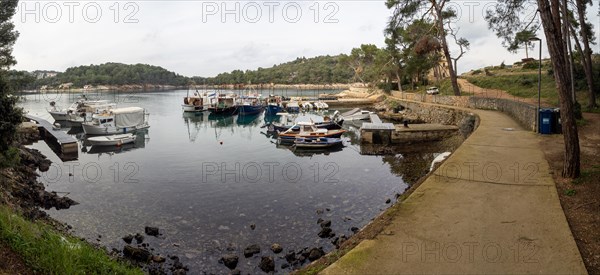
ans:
(64, 145)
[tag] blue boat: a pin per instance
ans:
(274, 105)
(249, 105)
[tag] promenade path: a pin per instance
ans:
(490, 208)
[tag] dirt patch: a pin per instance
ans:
(580, 198)
(12, 263)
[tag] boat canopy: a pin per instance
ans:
(128, 117)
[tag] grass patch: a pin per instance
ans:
(588, 175)
(49, 252)
(520, 85)
(570, 192)
(523, 82)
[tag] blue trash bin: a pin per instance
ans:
(545, 123)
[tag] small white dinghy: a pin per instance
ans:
(112, 140)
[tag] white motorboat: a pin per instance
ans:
(356, 114)
(86, 110)
(114, 140)
(71, 113)
(307, 105)
(320, 105)
(116, 121)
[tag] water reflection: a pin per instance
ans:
(205, 212)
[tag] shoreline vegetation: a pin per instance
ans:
(153, 87)
(44, 244)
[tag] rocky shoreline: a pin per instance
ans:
(21, 191)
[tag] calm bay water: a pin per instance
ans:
(204, 180)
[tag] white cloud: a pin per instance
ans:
(191, 37)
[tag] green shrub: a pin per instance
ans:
(525, 81)
(9, 158)
(531, 65)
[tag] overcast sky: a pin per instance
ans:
(204, 38)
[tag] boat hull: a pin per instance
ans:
(110, 130)
(249, 110)
(317, 143)
(319, 125)
(222, 110)
(111, 140)
(191, 108)
(273, 110)
(59, 115)
(291, 137)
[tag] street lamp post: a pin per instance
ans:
(539, 83)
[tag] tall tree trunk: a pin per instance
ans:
(587, 54)
(440, 24)
(399, 81)
(550, 15)
(527, 50)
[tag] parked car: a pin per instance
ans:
(433, 91)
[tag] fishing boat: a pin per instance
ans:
(194, 103)
(329, 123)
(308, 130)
(225, 105)
(274, 105)
(116, 121)
(113, 140)
(356, 114)
(293, 107)
(60, 114)
(249, 105)
(85, 111)
(316, 143)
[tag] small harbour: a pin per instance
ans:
(216, 184)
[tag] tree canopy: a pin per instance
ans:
(10, 115)
(317, 70)
(115, 74)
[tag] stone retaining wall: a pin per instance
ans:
(523, 113)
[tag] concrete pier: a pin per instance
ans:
(422, 133)
(65, 146)
(378, 132)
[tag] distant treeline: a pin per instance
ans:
(317, 70)
(114, 74)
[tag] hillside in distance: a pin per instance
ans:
(114, 74)
(316, 70)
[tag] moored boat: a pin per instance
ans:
(274, 105)
(356, 114)
(316, 143)
(293, 107)
(225, 105)
(249, 105)
(112, 140)
(116, 121)
(308, 130)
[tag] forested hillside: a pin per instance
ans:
(115, 74)
(317, 70)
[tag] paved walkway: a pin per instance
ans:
(491, 207)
